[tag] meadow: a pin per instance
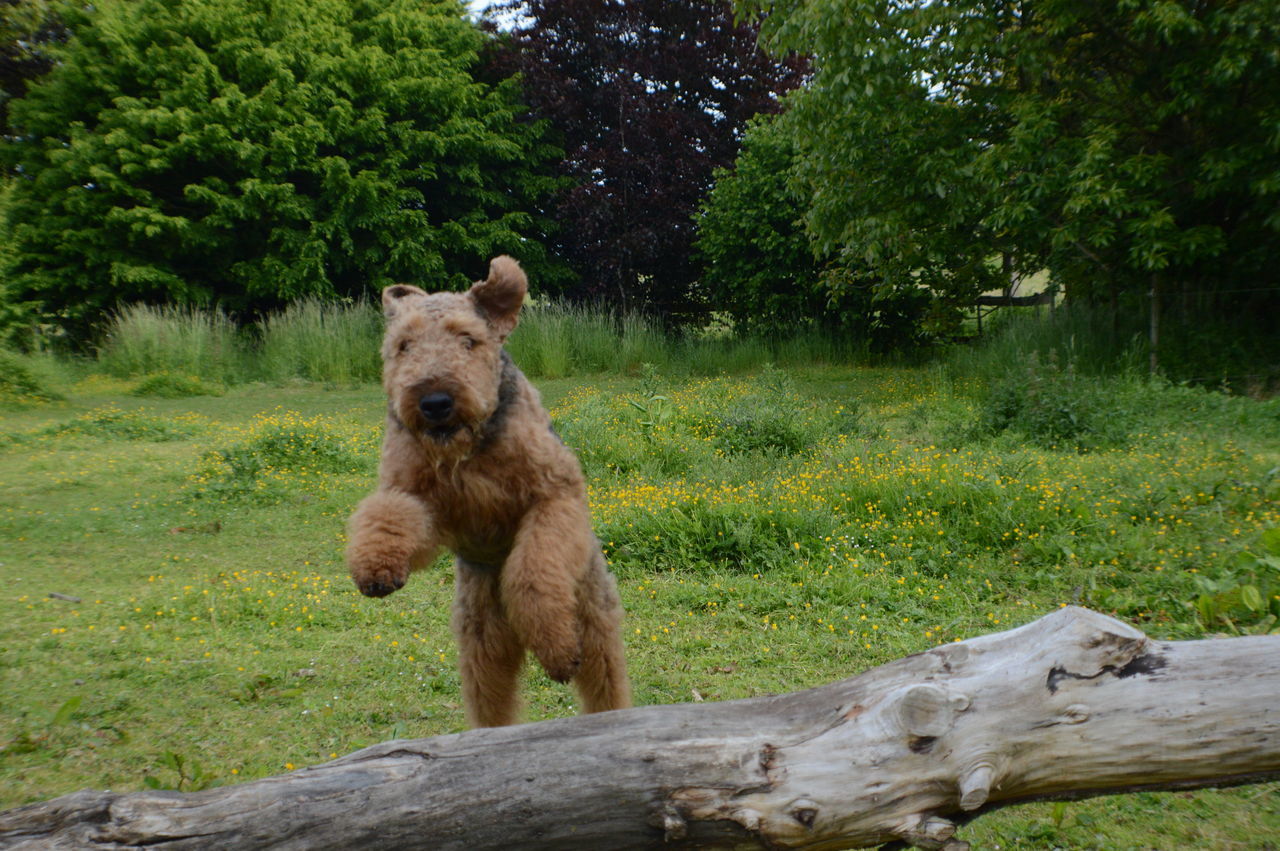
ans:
(176, 613)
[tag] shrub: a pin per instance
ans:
(664, 430)
(771, 418)
(1047, 403)
(115, 423)
(165, 385)
(283, 454)
(704, 535)
(22, 382)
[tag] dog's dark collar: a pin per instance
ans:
(508, 385)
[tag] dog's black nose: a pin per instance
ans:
(436, 407)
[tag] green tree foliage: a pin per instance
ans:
(251, 152)
(757, 257)
(27, 27)
(763, 269)
(1109, 142)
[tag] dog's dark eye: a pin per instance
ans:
(468, 343)
(403, 347)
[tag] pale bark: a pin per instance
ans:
(1072, 705)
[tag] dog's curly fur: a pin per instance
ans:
(470, 462)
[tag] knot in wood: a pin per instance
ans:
(927, 711)
(805, 812)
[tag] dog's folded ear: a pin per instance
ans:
(500, 296)
(394, 294)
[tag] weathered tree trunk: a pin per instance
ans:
(1072, 705)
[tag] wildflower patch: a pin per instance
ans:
(669, 429)
(282, 454)
(114, 423)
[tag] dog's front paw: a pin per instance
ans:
(561, 664)
(379, 580)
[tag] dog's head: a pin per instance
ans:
(442, 362)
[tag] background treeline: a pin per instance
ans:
(843, 168)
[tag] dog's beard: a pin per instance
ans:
(454, 439)
(442, 435)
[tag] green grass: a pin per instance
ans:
(29, 379)
(770, 531)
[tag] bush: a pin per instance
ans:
(114, 423)
(769, 419)
(284, 455)
(165, 385)
(708, 423)
(701, 535)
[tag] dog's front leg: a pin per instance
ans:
(540, 580)
(389, 535)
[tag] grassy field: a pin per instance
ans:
(770, 531)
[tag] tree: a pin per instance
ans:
(760, 265)
(648, 98)
(1118, 145)
(762, 268)
(757, 258)
(254, 151)
(27, 28)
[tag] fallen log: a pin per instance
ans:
(1072, 705)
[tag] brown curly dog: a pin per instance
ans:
(470, 462)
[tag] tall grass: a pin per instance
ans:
(31, 378)
(1241, 354)
(1088, 339)
(338, 344)
(712, 356)
(143, 339)
(323, 342)
(559, 339)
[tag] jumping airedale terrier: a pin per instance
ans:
(470, 462)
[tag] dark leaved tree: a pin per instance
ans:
(648, 98)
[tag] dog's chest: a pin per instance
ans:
(477, 514)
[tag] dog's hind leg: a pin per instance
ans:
(490, 654)
(540, 583)
(602, 681)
